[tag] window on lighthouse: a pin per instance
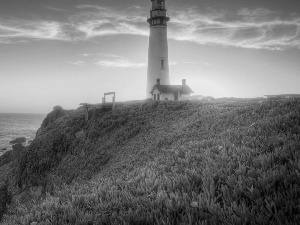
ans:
(162, 63)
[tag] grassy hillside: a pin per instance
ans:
(166, 163)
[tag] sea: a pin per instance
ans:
(14, 125)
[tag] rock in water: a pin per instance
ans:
(19, 140)
(57, 112)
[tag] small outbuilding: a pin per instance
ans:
(171, 92)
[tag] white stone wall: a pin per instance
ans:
(158, 51)
(155, 92)
(169, 96)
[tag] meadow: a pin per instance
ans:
(164, 163)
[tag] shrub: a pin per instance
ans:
(5, 199)
(6, 158)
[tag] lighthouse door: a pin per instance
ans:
(176, 96)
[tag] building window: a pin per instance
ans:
(154, 97)
(158, 96)
(162, 63)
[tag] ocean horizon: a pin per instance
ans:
(14, 125)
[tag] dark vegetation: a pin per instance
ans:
(6, 158)
(9, 156)
(5, 199)
(166, 163)
(19, 140)
(57, 113)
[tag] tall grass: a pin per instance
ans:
(169, 163)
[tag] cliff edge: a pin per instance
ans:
(55, 114)
(161, 162)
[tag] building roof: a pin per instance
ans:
(184, 89)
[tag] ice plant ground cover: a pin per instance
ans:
(166, 163)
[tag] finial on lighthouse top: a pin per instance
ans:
(158, 13)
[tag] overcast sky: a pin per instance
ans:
(65, 52)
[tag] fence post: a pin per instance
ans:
(86, 113)
(114, 102)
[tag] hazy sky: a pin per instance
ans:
(64, 52)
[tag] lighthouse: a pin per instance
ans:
(158, 61)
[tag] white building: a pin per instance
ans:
(170, 92)
(158, 60)
(158, 78)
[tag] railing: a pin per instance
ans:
(104, 104)
(158, 13)
(158, 7)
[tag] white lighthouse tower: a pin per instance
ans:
(158, 61)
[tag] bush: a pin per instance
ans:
(6, 158)
(5, 199)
